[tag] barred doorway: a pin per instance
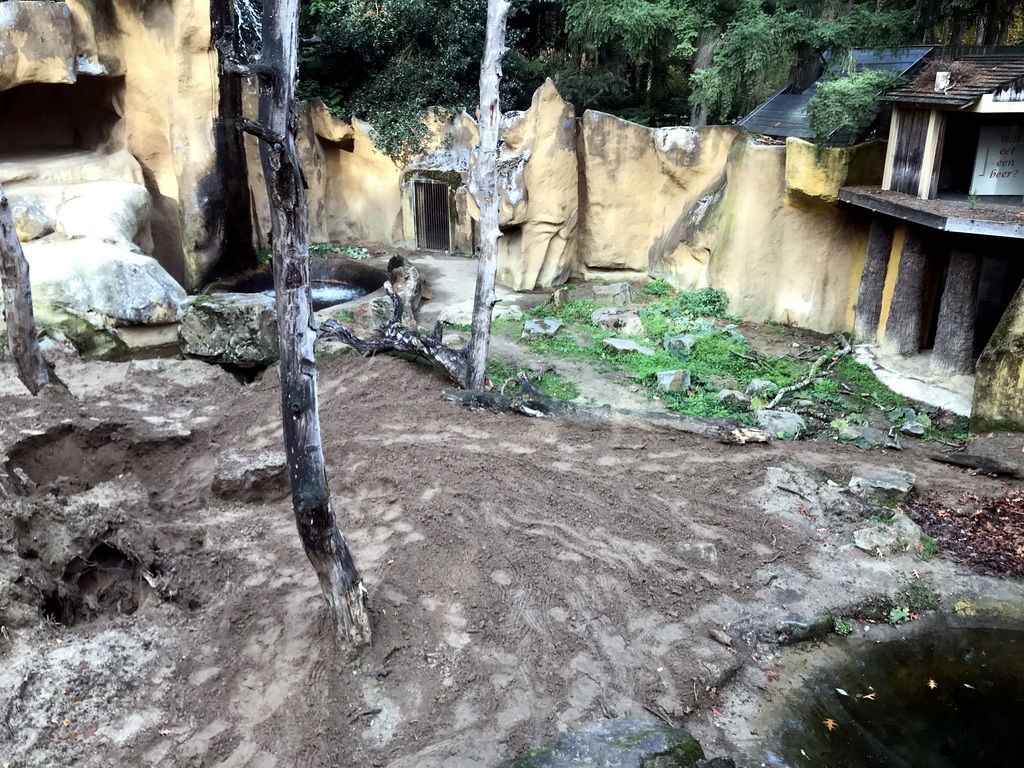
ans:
(433, 215)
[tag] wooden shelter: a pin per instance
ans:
(941, 265)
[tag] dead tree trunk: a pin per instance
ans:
(954, 339)
(325, 546)
(872, 281)
(485, 182)
(21, 324)
(903, 326)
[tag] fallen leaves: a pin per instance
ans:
(932, 684)
(829, 723)
(984, 532)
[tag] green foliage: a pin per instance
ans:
(898, 615)
(867, 389)
(389, 62)
(560, 345)
(928, 547)
(848, 103)
(554, 385)
(575, 311)
(323, 250)
(264, 256)
(706, 302)
(660, 287)
(842, 627)
(655, 325)
(918, 595)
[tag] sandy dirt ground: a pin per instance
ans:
(525, 577)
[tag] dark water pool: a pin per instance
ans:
(946, 699)
(327, 293)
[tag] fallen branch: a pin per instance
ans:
(395, 337)
(812, 372)
(982, 465)
(542, 406)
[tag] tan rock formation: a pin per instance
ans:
(36, 43)
(838, 167)
(354, 191)
(791, 258)
(646, 192)
(999, 382)
(540, 202)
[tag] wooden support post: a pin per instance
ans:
(872, 280)
(17, 291)
(954, 339)
(903, 326)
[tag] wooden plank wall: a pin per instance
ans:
(908, 153)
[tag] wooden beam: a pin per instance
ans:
(872, 280)
(954, 338)
(890, 148)
(927, 184)
(903, 325)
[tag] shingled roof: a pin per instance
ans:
(975, 71)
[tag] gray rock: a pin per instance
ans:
(622, 346)
(901, 534)
(913, 428)
(462, 313)
(865, 437)
(761, 388)
(625, 321)
(230, 328)
(32, 220)
(251, 476)
(883, 486)
(89, 276)
(682, 342)
(781, 423)
(115, 212)
(673, 381)
(732, 396)
(615, 294)
(698, 552)
(624, 742)
(541, 328)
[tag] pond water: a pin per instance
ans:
(327, 293)
(945, 699)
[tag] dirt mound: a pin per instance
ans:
(525, 577)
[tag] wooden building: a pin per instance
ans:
(942, 261)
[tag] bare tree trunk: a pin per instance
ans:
(954, 339)
(485, 182)
(325, 546)
(872, 281)
(21, 323)
(707, 41)
(903, 326)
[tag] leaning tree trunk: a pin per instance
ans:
(324, 544)
(21, 324)
(485, 182)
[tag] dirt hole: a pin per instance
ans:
(103, 581)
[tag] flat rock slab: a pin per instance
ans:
(884, 538)
(462, 313)
(625, 321)
(251, 476)
(890, 479)
(624, 742)
(540, 328)
(622, 346)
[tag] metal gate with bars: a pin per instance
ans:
(433, 217)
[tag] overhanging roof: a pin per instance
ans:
(784, 114)
(975, 70)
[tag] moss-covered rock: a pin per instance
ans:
(623, 742)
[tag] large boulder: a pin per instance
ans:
(624, 742)
(114, 212)
(37, 43)
(237, 329)
(86, 276)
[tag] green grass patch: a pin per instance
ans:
(660, 287)
(867, 389)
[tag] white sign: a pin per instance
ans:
(999, 164)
